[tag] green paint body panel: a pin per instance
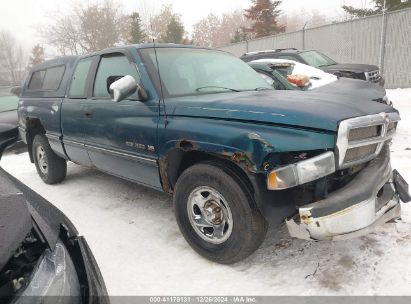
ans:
(131, 139)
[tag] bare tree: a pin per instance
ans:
(230, 24)
(215, 31)
(160, 21)
(63, 33)
(147, 12)
(12, 60)
(88, 27)
(206, 31)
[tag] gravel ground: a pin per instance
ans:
(135, 239)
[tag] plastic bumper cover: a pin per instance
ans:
(369, 200)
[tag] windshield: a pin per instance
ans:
(317, 59)
(187, 71)
(8, 103)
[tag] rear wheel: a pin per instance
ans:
(51, 168)
(216, 213)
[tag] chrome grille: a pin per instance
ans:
(373, 76)
(361, 139)
(364, 133)
(354, 154)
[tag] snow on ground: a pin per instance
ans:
(135, 239)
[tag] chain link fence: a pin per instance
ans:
(355, 41)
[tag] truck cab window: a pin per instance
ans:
(112, 65)
(79, 81)
(48, 79)
(37, 79)
(53, 78)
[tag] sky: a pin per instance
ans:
(23, 18)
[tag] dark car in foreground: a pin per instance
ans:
(42, 257)
(8, 108)
(203, 126)
(276, 71)
(319, 60)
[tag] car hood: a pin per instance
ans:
(9, 117)
(354, 88)
(15, 220)
(352, 67)
(20, 209)
(307, 109)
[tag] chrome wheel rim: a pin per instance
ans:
(210, 215)
(42, 159)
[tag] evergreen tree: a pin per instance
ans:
(391, 5)
(137, 34)
(175, 31)
(239, 36)
(264, 16)
(37, 55)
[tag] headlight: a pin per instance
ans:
(54, 280)
(344, 74)
(302, 172)
(386, 100)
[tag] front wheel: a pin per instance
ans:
(51, 168)
(216, 213)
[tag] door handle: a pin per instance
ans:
(88, 114)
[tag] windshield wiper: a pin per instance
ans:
(216, 87)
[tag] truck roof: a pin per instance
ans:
(70, 61)
(63, 60)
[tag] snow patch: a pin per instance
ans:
(135, 239)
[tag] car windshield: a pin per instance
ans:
(8, 103)
(188, 71)
(317, 59)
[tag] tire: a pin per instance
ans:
(51, 168)
(224, 195)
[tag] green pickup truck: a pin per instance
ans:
(203, 126)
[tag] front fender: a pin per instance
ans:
(241, 141)
(247, 145)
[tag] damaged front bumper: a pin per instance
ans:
(367, 201)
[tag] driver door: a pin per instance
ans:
(121, 138)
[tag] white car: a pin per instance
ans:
(318, 78)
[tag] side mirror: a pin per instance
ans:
(16, 91)
(122, 87)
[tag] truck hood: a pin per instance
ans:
(351, 67)
(354, 88)
(307, 109)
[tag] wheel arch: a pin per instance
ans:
(275, 206)
(177, 160)
(34, 126)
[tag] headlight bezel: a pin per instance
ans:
(301, 172)
(55, 277)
